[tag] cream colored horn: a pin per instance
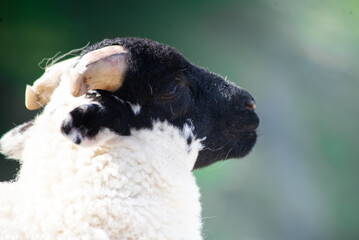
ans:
(99, 69)
(39, 94)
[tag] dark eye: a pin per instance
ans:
(174, 90)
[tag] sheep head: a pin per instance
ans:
(138, 82)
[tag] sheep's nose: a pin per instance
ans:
(250, 104)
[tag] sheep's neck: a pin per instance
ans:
(145, 177)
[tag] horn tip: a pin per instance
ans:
(77, 86)
(31, 98)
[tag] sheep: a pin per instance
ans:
(112, 153)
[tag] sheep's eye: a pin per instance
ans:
(172, 92)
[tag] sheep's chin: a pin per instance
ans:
(237, 145)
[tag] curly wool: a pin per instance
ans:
(118, 187)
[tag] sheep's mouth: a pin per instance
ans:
(247, 132)
(238, 144)
(240, 132)
(247, 135)
(245, 138)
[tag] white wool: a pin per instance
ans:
(123, 187)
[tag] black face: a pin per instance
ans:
(169, 88)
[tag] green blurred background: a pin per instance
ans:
(300, 59)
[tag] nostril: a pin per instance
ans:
(250, 105)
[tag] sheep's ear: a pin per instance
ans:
(13, 142)
(100, 69)
(39, 94)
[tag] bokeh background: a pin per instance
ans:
(300, 59)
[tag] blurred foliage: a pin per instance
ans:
(298, 58)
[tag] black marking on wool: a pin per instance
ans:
(170, 88)
(189, 140)
(25, 126)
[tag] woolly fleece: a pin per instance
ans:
(115, 187)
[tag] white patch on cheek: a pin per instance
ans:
(202, 145)
(188, 130)
(136, 108)
(194, 145)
